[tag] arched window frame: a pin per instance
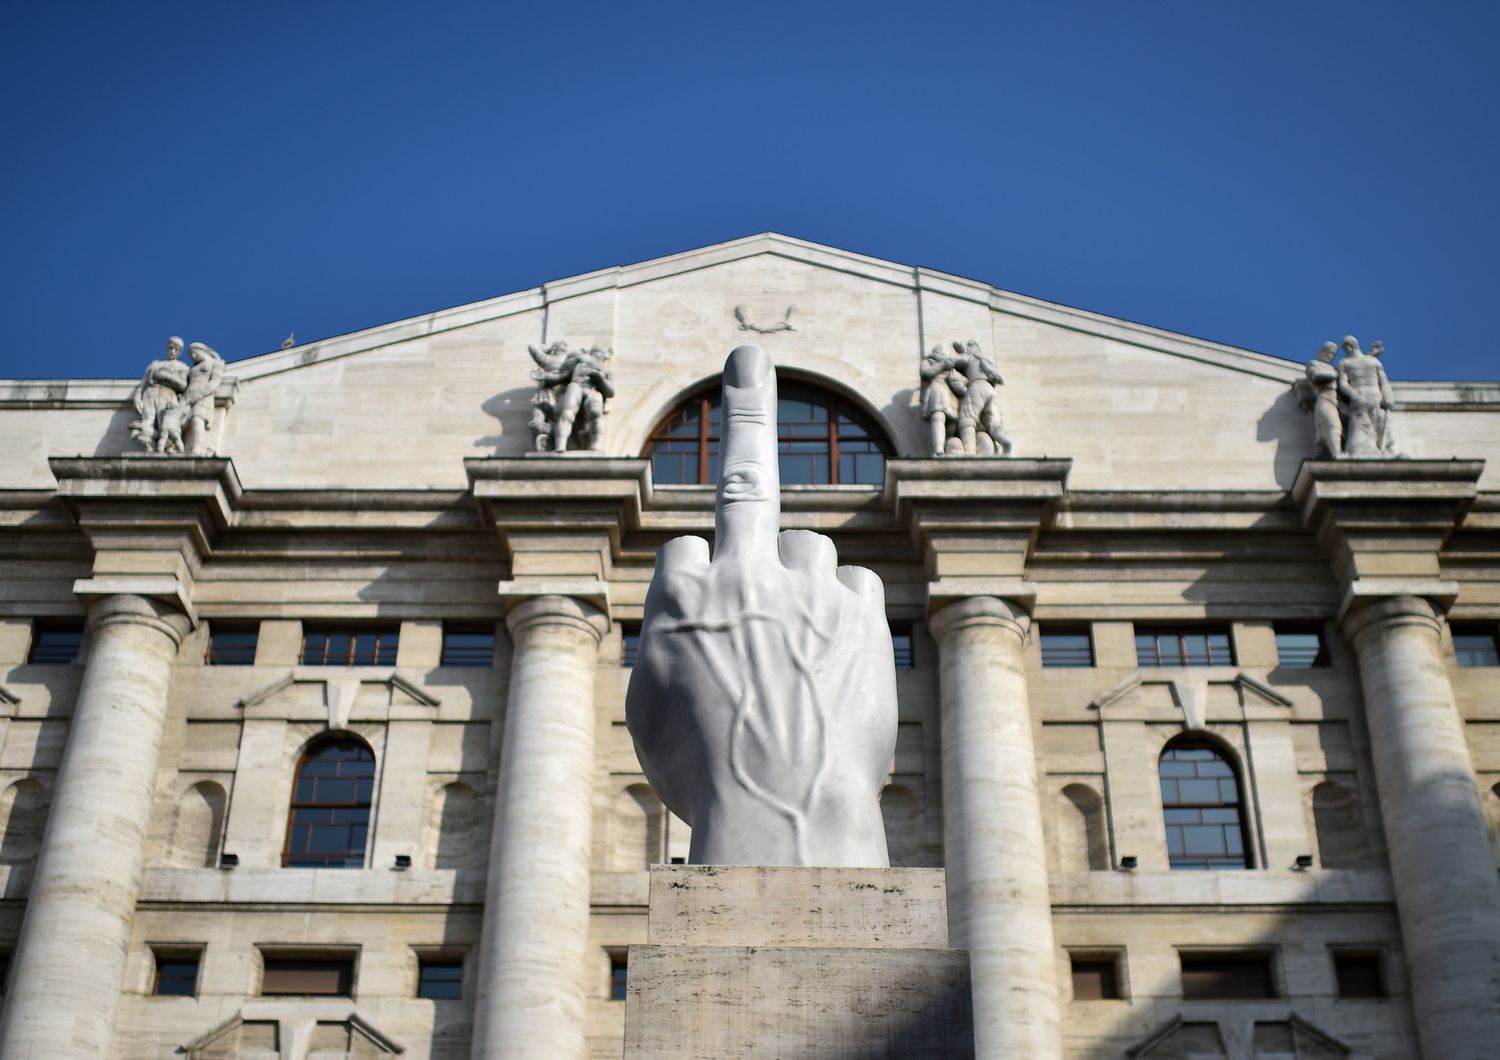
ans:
(350, 859)
(1184, 860)
(837, 404)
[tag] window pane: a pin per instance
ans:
(331, 802)
(630, 643)
(349, 645)
(1200, 809)
(468, 646)
(618, 977)
(1300, 649)
(55, 644)
(804, 414)
(1475, 646)
(901, 642)
(1183, 646)
(1067, 648)
(440, 980)
(232, 646)
(176, 976)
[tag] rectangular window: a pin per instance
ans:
(901, 642)
(176, 972)
(1475, 646)
(1095, 979)
(1183, 646)
(232, 645)
(1300, 647)
(630, 643)
(308, 977)
(440, 978)
(468, 645)
(1358, 975)
(349, 645)
(1227, 977)
(4, 972)
(55, 643)
(1066, 647)
(617, 975)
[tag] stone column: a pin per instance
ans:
(999, 908)
(66, 977)
(1447, 891)
(536, 917)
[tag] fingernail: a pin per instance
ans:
(747, 366)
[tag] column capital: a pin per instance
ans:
(1373, 614)
(1007, 615)
(1383, 523)
(975, 520)
(159, 599)
(552, 610)
(151, 520)
(560, 516)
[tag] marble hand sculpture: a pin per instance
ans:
(763, 699)
(568, 406)
(175, 402)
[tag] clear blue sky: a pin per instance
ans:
(1268, 175)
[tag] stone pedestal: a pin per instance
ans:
(819, 963)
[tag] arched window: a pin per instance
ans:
(1200, 799)
(330, 818)
(824, 439)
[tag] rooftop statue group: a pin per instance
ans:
(1351, 402)
(568, 406)
(961, 402)
(175, 402)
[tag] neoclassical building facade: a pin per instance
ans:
(313, 669)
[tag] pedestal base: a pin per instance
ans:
(791, 962)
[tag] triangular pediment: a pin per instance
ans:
(795, 252)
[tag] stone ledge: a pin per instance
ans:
(743, 905)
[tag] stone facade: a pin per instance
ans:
(388, 478)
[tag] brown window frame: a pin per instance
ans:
(835, 403)
(1225, 964)
(1098, 959)
(386, 636)
(1180, 634)
(1185, 861)
(295, 860)
(343, 962)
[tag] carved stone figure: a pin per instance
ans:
(1367, 401)
(159, 388)
(197, 398)
(763, 700)
(568, 406)
(960, 402)
(1386, 435)
(943, 384)
(784, 324)
(1320, 395)
(981, 429)
(1351, 402)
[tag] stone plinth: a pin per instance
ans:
(842, 963)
